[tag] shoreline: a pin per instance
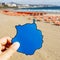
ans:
(38, 16)
(50, 11)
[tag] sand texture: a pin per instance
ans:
(51, 37)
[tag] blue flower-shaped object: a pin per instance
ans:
(29, 37)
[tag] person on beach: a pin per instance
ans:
(6, 48)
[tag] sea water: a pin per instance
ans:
(40, 9)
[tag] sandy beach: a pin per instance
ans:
(51, 37)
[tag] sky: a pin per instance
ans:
(53, 2)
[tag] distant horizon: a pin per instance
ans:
(50, 2)
(24, 3)
(29, 3)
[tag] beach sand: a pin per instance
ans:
(51, 37)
